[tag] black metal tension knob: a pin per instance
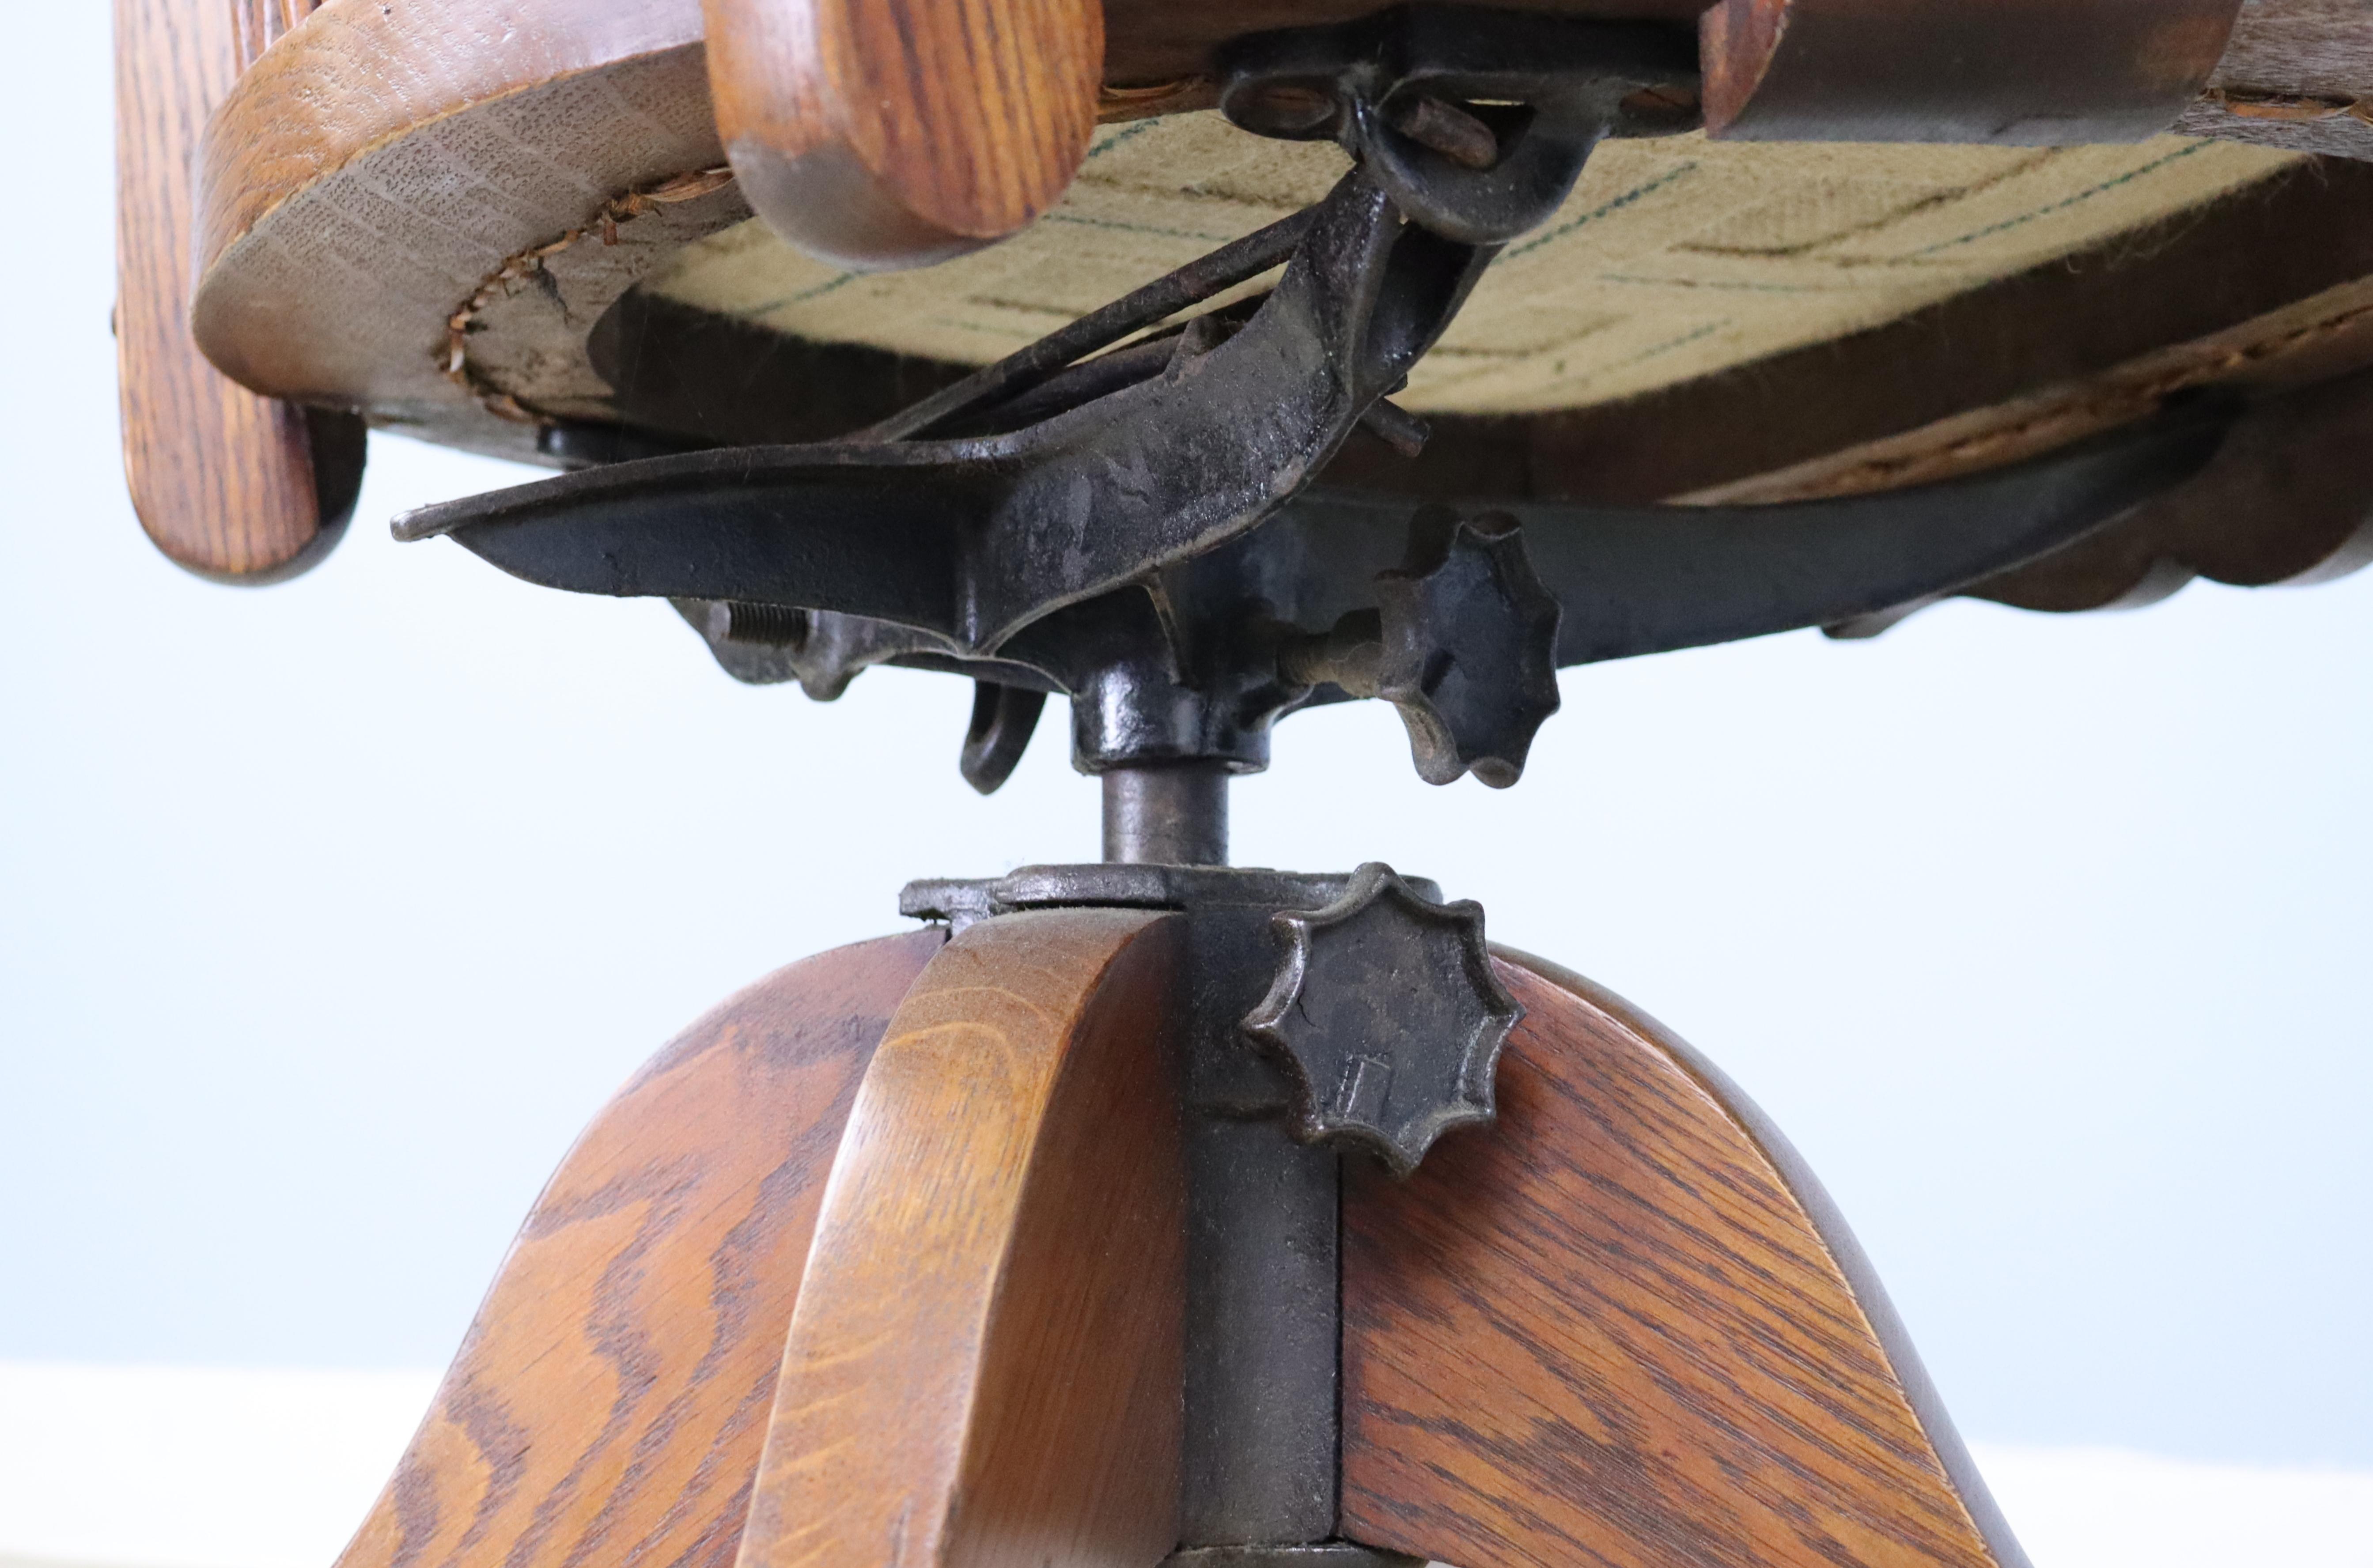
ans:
(1387, 1017)
(1469, 652)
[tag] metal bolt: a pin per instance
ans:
(768, 625)
(1446, 128)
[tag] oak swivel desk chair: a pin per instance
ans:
(1199, 364)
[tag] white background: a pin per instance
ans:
(328, 912)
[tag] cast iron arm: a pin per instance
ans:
(975, 538)
(1095, 526)
(1650, 580)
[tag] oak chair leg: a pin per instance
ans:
(883, 1263)
(1624, 1326)
(610, 1401)
(984, 1364)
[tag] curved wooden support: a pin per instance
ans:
(2022, 72)
(1627, 1329)
(881, 133)
(234, 486)
(611, 1399)
(984, 1368)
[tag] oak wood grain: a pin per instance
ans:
(1625, 1327)
(983, 1368)
(611, 1399)
(380, 163)
(231, 485)
(896, 133)
(362, 75)
(260, 23)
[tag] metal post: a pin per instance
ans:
(1170, 814)
(1262, 1331)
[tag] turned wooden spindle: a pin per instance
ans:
(880, 134)
(234, 486)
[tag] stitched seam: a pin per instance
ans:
(2113, 404)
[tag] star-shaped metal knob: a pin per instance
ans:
(1388, 1017)
(1469, 652)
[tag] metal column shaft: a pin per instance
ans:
(1170, 814)
(1262, 1327)
(1263, 1280)
(1262, 1276)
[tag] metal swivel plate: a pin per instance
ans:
(1386, 1016)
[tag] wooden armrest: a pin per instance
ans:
(234, 486)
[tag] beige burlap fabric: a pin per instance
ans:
(1671, 260)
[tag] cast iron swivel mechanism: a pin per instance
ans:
(1124, 514)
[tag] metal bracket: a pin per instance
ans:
(1199, 658)
(975, 538)
(1131, 527)
(1475, 121)
(1321, 1554)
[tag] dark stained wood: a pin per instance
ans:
(1624, 1328)
(2022, 72)
(229, 484)
(983, 1368)
(611, 1399)
(896, 133)
(2288, 499)
(2293, 74)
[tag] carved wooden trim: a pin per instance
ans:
(2288, 499)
